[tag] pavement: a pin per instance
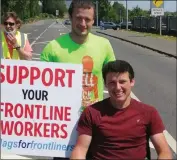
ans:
(163, 46)
(155, 74)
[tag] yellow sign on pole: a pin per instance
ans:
(158, 3)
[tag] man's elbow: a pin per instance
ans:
(78, 153)
(28, 56)
(166, 154)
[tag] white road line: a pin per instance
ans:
(35, 58)
(36, 53)
(62, 33)
(65, 27)
(41, 34)
(42, 42)
(171, 141)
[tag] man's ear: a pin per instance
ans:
(93, 21)
(132, 82)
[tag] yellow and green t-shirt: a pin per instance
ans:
(93, 54)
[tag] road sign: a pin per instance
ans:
(57, 12)
(158, 3)
(157, 7)
(157, 11)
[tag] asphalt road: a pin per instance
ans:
(155, 74)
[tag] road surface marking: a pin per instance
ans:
(35, 58)
(42, 42)
(171, 141)
(41, 34)
(62, 33)
(65, 27)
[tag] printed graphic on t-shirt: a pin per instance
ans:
(90, 82)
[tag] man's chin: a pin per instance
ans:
(83, 33)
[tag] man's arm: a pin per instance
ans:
(157, 137)
(161, 146)
(26, 52)
(85, 129)
(81, 147)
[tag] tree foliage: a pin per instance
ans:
(50, 6)
(23, 8)
(30, 8)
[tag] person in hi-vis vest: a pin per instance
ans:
(14, 44)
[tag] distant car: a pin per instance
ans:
(123, 25)
(67, 22)
(108, 25)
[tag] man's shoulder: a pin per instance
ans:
(62, 37)
(99, 38)
(99, 106)
(59, 40)
(142, 107)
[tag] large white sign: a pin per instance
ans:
(40, 107)
(157, 11)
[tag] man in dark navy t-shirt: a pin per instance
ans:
(119, 127)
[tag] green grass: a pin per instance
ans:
(167, 37)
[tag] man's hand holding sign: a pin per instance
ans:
(39, 107)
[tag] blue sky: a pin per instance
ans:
(168, 5)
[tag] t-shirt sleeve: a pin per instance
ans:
(156, 124)
(47, 53)
(85, 123)
(28, 47)
(109, 53)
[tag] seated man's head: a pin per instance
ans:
(118, 77)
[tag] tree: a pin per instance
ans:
(137, 12)
(119, 10)
(24, 9)
(50, 6)
(103, 9)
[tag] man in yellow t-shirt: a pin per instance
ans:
(81, 46)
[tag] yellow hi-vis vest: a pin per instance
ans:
(21, 40)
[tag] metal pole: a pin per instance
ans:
(160, 25)
(97, 13)
(127, 14)
(120, 18)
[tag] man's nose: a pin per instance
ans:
(83, 23)
(118, 86)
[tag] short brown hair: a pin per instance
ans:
(13, 15)
(81, 4)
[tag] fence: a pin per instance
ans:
(151, 24)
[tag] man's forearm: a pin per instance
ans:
(78, 154)
(24, 55)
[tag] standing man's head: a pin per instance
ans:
(82, 14)
(119, 79)
(11, 22)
